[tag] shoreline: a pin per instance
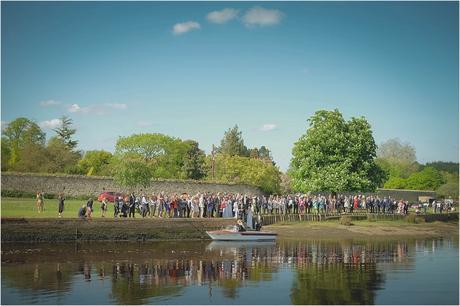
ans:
(138, 229)
(377, 230)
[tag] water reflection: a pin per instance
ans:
(322, 272)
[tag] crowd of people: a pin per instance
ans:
(240, 206)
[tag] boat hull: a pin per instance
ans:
(241, 236)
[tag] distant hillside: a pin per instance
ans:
(450, 167)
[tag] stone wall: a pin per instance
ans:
(77, 185)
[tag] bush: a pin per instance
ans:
(345, 220)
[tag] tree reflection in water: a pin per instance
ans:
(344, 272)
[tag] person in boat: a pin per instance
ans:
(241, 227)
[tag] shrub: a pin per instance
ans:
(345, 220)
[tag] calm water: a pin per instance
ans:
(286, 272)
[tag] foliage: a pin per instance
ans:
(194, 161)
(286, 184)
(98, 161)
(395, 182)
(65, 132)
(245, 170)
(232, 144)
(60, 157)
(131, 171)
(397, 159)
(448, 190)
(6, 153)
(427, 179)
(449, 167)
(335, 155)
(18, 134)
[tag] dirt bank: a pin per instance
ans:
(363, 229)
(51, 229)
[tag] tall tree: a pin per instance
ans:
(19, 133)
(66, 132)
(335, 155)
(232, 144)
(397, 159)
(194, 161)
(61, 158)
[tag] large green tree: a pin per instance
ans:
(194, 161)
(335, 155)
(398, 159)
(18, 134)
(164, 156)
(232, 143)
(60, 157)
(245, 170)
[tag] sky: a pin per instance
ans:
(192, 70)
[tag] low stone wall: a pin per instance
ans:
(78, 185)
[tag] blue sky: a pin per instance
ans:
(174, 68)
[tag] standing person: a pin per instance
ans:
(249, 220)
(61, 200)
(153, 205)
(201, 205)
(103, 207)
(40, 202)
(132, 205)
(89, 208)
(235, 209)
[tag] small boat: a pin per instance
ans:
(232, 234)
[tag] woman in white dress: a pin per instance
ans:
(249, 217)
(235, 209)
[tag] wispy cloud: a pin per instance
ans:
(184, 27)
(267, 127)
(222, 16)
(49, 103)
(75, 108)
(117, 105)
(259, 16)
(97, 109)
(50, 124)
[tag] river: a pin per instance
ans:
(415, 271)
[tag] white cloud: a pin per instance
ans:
(267, 127)
(222, 16)
(117, 105)
(50, 124)
(75, 108)
(181, 28)
(49, 103)
(259, 16)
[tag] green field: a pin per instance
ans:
(27, 208)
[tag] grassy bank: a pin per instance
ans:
(364, 229)
(27, 208)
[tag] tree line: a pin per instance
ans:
(334, 155)
(138, 158)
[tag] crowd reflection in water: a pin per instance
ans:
(231, 267)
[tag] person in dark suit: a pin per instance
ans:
(132, 205)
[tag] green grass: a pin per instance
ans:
(27, 208)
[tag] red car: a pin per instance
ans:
(110, 196)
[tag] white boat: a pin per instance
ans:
(232, 234)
